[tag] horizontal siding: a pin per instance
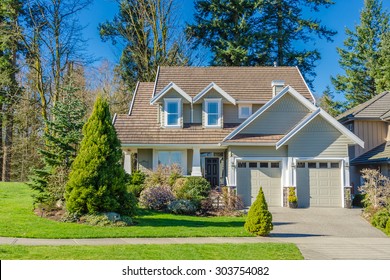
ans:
(197, 113)
(145, 159)
(280, 118)
(172, 94)
(230, 114)
(255, 151)
(373, 133)
(318, 139)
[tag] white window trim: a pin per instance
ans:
(240, 116)
(212, 100)
(166, 101)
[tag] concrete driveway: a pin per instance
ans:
(330, 233)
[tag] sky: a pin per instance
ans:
(345, 13)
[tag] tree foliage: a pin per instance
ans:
(97, 180)
(376, 189)
(253, 32)
(327, 102)
(145, 27)
(361, 58)
(62, 139)
(259, 220)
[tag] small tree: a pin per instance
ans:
(259, 220)
(97, 181)
(376, 189)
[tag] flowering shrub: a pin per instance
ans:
(182, 206)
(156, 198)
(163, 176)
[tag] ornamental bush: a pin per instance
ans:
(259, 220)
(182, 207)
(387, 230)
(380, 218)
(194, 189)
(156, 198)
(97, 181)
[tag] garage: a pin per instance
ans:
(251, 175)
(319, 184)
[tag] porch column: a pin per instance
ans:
(196, 171)
(127, 162)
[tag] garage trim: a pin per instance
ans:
(344, 171)
(283, 167)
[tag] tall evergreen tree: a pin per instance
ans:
(97, 180)
(383, 74)
(360, 58)
(254, 32)
(62, 140)
(327, 102)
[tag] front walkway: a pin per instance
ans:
(319, 233)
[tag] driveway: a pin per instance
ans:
(330, 233)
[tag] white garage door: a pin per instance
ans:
(319, 184)
(253, 175)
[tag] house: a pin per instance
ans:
(243, 127)
(370, 121)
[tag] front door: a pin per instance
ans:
(212, 171)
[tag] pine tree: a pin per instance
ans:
(360, 58)
(326, 102)
(228, 29)
(62, 139)
(383, 74)
(250, 32)
(259, 220)
(97, 180)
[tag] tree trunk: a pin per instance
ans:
(7, 156)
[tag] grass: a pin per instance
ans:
(258, 251)
(18, 220)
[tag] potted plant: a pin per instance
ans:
(292, 198)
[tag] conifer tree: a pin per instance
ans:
(327, 102)
(62, 139)
(383, 73)
(97, 180)
(259, 220)
(361, 58)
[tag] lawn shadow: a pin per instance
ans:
(292, 235)
(161, 222)
(282, 223)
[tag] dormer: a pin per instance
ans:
(212, 98)
(277, 86)
(170, 103)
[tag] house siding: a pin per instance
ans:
(189, 161)
(197, 113)
(319, 139)
(373, 133)
(280, 118)
(230, 114)
(186, 113)
(256, 151)
(145, 159)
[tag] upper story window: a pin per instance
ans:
(213, 112)
(172, 112)
(244, 111)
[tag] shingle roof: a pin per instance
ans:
(377, 107)
(242, 83)
(141, 127)
(378, 154)
(255, 138)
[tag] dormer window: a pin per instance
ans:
(244, 111)
(172, 112)
(213, 112)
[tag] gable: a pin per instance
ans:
(278, 119)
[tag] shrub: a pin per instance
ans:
(163, 176)
(156, 198)
(259, 220)
(387, 230)
(182, 206)
(137, 178)
(135, 189)
(103, 220)
(380, 218)
(195, 189)
(178, 186)
(376, 188)
(292, 197)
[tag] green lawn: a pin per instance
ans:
(259, 251)
(18, 220)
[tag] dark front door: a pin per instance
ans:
(212, 171)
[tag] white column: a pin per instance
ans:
(196, 171)
(127, 162)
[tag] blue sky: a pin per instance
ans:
(345, 13)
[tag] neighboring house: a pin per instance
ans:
(370, 121)
(244, 127)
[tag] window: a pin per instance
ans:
(274, 164)
(334, 165)
(301, 164)
(253, 165)
(323, 165)
(213, 112)
(312, 165)
(168, 158)
(244, 111)
(241, 164)
(172, 112)
(263, 164)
